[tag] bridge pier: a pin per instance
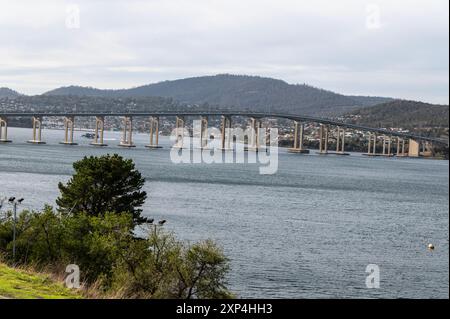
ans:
(375, 140)
(390, 146)
(154, 133)
(179, 132)
(298, 139)
(387, 145)
(413, 148)
(323, 139)
(68, 131)
(203, 132)
(372, 148)
(99, 131)
(254, 143)
(4, 130)
(127, 133)
(427, 149)
(37, 131)
(340, 142)
(401, 147)
(225, 142)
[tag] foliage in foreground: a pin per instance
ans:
(113, 259)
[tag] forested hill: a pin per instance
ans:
(405, 114)
(71, 103)
(370, 100)
(5, 92)
(240, 93)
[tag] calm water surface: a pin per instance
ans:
(308, 231)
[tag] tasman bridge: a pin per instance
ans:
(416, 144)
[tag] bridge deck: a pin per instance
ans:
(294, 117)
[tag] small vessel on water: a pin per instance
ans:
(89, 135)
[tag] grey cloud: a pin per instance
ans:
(128, 43)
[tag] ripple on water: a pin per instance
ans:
(309, 231)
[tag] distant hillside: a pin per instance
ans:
(240, 93)
(72, 103)
(5, 92)
(82, 91)
(406, 114)
(370, 100)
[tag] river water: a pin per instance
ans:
(308, 231)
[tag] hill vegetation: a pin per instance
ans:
(370, 100)
(421, 118)
(239, 93)
(404, 114)
(72, 103)
(6, 92)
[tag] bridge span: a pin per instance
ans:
(414, 140)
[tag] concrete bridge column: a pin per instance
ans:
(340, 142)
(179, 132)
(401, 147)
(204, 132)
(68, 131)
(37, 131)
(414, 148)
(374, 152)
(226, 139)
(323, 139)
(4, 130)
(127, 134)
(338, 139)
(320, 138)
(389, 145)
(298, 139)
(427, 149)
(254, 133)
(253, 144)
(372, 145)
(295, 135)
(99, 131)
(258, 133)
(154, 133)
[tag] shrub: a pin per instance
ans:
(112, 257)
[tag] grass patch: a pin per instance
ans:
(21, 284)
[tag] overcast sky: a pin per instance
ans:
(397, 48)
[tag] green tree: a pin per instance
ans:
(104, 184)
